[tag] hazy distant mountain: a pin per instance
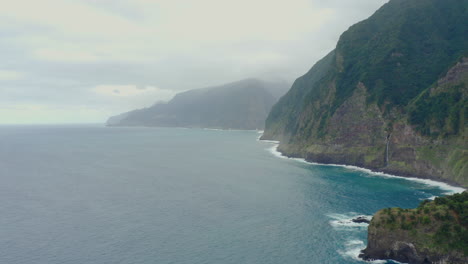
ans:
(239, 105)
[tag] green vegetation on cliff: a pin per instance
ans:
(392, 96)
(436, 230)
(403, 48)
(441, 113)
(447, 217)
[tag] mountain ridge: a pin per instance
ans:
(390, 97)
(238, 105)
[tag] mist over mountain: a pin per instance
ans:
(243, 104)
(392, 95)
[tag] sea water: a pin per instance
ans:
(91, 194)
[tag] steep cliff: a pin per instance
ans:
(392, 96)
(435, 232)
(238, 105)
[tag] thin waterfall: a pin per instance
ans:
(386, 149)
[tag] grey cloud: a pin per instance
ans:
(71, 82)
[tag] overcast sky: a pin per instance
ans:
(84, 60)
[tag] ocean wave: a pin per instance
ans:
(215, 129)
(429, 198)
(352, 249)
(275, 146)
(260, 132)
(345, 221)
(274, 150)
(448, 189)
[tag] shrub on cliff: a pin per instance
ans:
(447, 217)
(435, 231)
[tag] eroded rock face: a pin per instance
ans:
(401, 251)
(380, 101)
(381, 245)
(360, 133)
(418, 236)
(455, 74)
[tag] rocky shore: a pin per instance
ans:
(435, 232)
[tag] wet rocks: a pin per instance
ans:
(361, 219)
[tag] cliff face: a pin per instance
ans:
(435, 232)
(239, 105)
(391, 97)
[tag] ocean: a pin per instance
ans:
(91, 194)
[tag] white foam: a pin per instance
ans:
(274, 150)
(449, 189)
(276, 143)
(353, 249)
(354, 243)
(429, 198)
(345, 221)
(226, 129)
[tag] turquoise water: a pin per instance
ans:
(90, 194)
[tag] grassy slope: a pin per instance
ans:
(398, 55)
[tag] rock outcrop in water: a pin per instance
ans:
(240, 105)
(360, 220)
(391, 97)
(435, 232)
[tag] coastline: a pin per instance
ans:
(448, 188)
(181, 127)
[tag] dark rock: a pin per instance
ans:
(361, 219)
(399, 251)
(396, 233)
